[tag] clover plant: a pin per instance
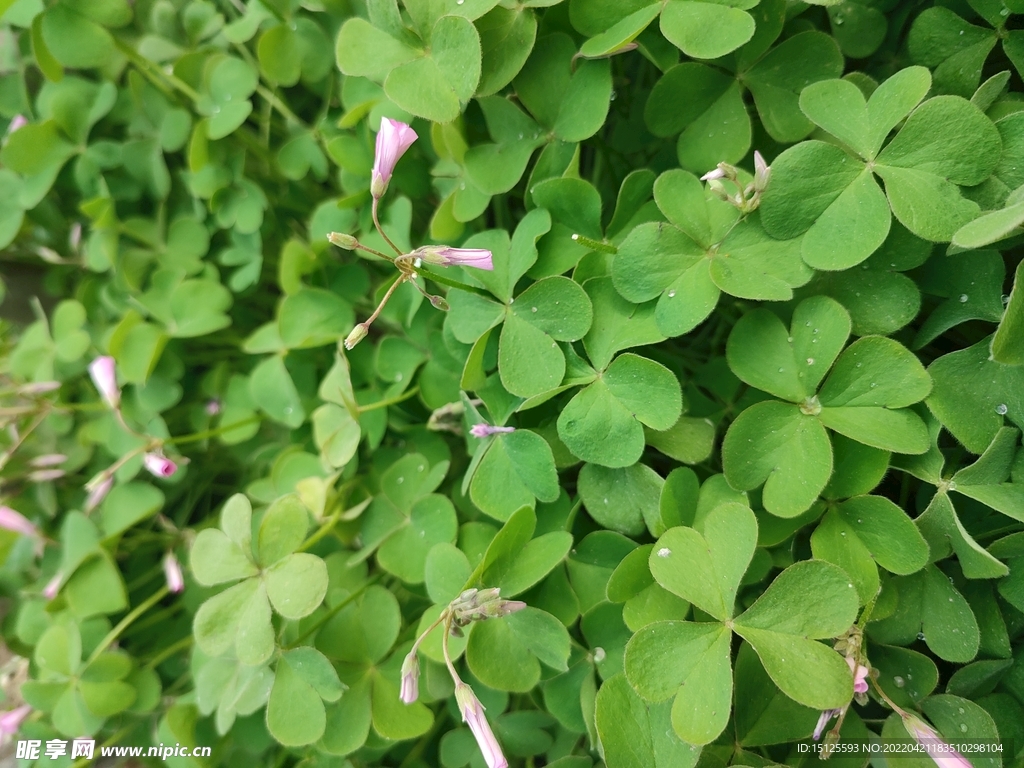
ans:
(569, 383)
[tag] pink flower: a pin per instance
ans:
(18, 121)
(10, 721)
(104, 376)
(938, 750)
(213, 407)
(446, 256)
(860, 674)
(393, 139)
(410, 690)
(172, 573)
(717, 173)
(98, 489)
(17, 522)
(486, 430)
(473, 715)
(159, 465)
(53, 586)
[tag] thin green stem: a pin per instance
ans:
(144, 64)
(394, 286)
(127, 621)
(333, 611)
(281, 107)
(166, 653)
(444, 647)
(376, 223)
(448, 282)
(196, 436)
(390, 401)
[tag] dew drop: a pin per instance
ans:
(288, 409)
(810, 361)
(920, 635)
(898, 681)
(842, 533)
(781, 370)
(599, 654)
(611, 96)
(520, 135)
(859, 365)
(1001, 409)
(671, 294)
(533, 309)
(873, 384)
(398, 377)
(963, 726)
(664, 552)
(963, 298)
(790, 339)
(961, 710)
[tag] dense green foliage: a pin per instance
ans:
(766, 424)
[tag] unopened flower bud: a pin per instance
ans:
(472, 712)
(486, 430)
(935, 747)
(10, 721)
(410, 689)
(98, 489)
(172, 573)
(358, 334)
(159, 465)
(45, 475)
(53, 586)
(104, 376)
(762, 173)
(14, 521)
(393, 139)
(446, 256)
(716, 173)
(343, 240)
(860, 674)
(48, 460)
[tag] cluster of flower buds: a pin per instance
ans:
(480, 605)
(103, 372)
(851, 644)
(393, 139)
(472, 605)
(745, 197)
